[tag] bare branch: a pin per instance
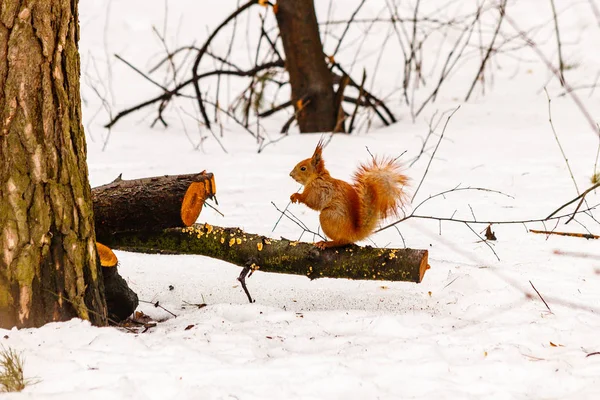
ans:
(502, 10)
(562, 151)
(434, 151)
(176, 90)
(561, 64)
(556, 72)
(202, 51)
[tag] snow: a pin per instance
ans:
(473, 328)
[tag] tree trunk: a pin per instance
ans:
(49, 269)
(310, 79)
(282, 256)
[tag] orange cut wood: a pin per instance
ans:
(194, 198)
(192, 203)
(107, 256)
(210, 186)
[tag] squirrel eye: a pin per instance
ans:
(302, 168)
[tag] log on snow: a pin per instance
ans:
(150, 204)
(282, 256)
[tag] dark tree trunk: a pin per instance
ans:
(49, 269)
(310, 79)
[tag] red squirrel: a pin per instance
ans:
(349, 212)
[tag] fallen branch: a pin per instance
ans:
(282, 256)
(571, 234)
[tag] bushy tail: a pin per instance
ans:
(380, 186)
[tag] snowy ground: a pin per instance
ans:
(473, 328)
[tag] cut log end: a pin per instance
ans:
(107, 257)
(194, 199)
(192, 203)
(424, 266)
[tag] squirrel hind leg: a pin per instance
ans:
(326, 244)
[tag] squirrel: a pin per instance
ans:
(350, 212)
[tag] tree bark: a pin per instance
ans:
(282, 256)
(310, 79)
(150, 203)
(49, 269)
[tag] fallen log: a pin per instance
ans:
(150, 203)
(282, 256)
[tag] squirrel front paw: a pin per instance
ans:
(295, 198)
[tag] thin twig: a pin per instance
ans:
(452, 59)
(502, 10)
(561, 64)
(297, 221)
(553, 69)
(175, 91)
(483, 240)
(432, 128)
(360, 95)
(246, 273)
(552, 217)
(118, 57)
(434, 151)
(288, 123)
(214, 209)
(538, 293)
(562, 151)
(579, 197)
(371, 99)
(341, 39)
(281, 215)
(275, 109)
(210, 130)
(202, 51)
(595, 10)
(157, 304)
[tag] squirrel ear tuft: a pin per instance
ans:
(317, 156)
